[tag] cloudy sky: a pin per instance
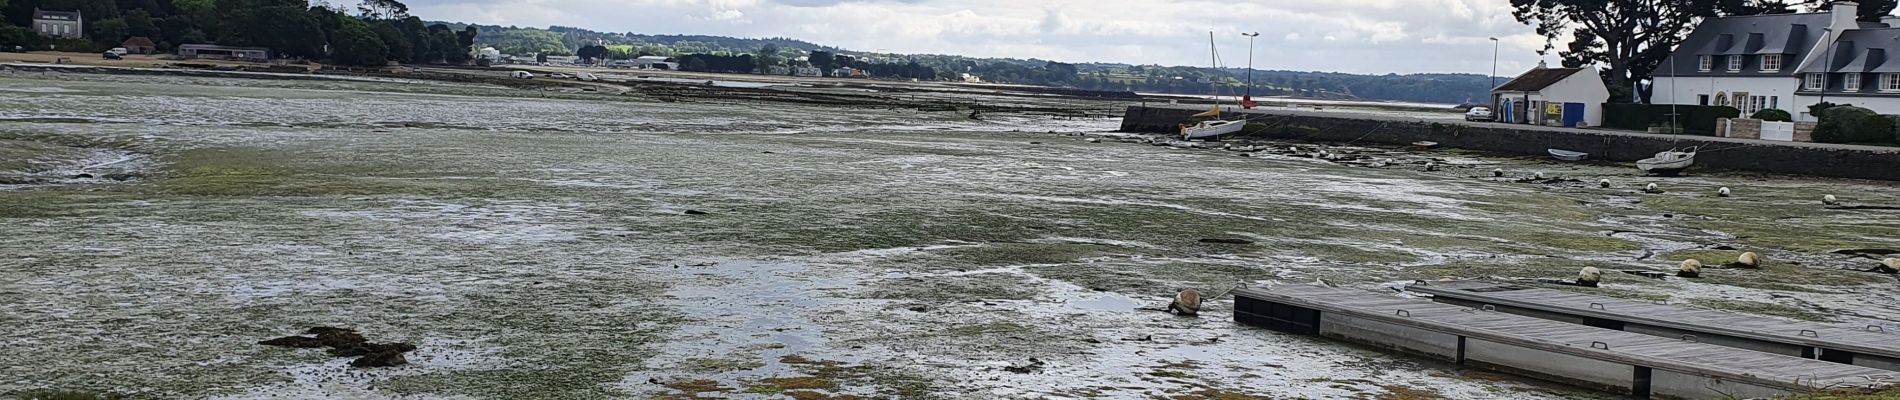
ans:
(1357, 36)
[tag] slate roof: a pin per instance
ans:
(1864, 51)
(1537, 79)
(1791, 35)
(56, 15)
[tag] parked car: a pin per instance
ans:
(118, 51)
(558, 75)
(1478, 114)
(521, 74)
(587, 77)
(113, 56)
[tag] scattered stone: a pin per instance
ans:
(1226, 241)
(696, 212)
(1035, 142)
(767, 152)
(1034, 365)
(386, 359)
(920, 308)
(82, 176)
(301, 342)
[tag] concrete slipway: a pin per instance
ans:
(1611, 360)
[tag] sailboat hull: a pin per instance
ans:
(1212, 129)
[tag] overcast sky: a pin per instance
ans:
(1357, 36)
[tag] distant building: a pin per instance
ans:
(1785, 62)
(809, 71)
(971, 78)
(564, 59)
(489, 53)
(140, 45)
(224, 52)
(778, 70)
(656, 62)
(1552, 97)
(59, 24)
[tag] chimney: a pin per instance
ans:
(1541, 65)
(1891, 21)
(1844, 12)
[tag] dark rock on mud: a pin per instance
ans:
(696, 212)
(345, 342)
(82, 176)
(1226, 241)
(1869, 253)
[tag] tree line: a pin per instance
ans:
(374, 33)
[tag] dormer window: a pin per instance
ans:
(1815, 82)
(1734, 63)
(1705, 63)
(1771, 63)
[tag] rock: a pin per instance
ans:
(384, 359)
(766, 152)
(1226, 241)
(696, 212)
(82, 176)
(120, 176)
(1035, 142)
(919, 308)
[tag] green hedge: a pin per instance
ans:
(1696, 120)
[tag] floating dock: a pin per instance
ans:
(1611, 360)
(1871, 346)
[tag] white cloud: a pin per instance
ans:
(1361, 36)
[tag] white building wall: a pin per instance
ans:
(1687, 91)
(1583, 87)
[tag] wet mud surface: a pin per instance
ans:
(541, 247)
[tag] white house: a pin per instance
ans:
(656, 62)
(59, 24)
(1552, 97)
(1786, 62)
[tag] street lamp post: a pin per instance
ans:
(1249, 97)
(1494, 63)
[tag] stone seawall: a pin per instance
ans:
(1860, 162)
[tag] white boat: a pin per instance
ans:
(1669, 162)
(1568, 155)
(1214, 126)
(1208, 129)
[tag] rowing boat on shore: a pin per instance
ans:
(1668, 163)
(1568, 155)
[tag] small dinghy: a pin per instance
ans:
(1425, 145)
(1668, 163)
(1568, 155)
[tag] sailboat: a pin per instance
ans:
(1215, 126)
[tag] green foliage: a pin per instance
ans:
(106, 34)
(74, 45)
(1849, 124)
(590, 53)
(522, 42)
(356, 44)
(11, 36)
(1773, 115)
(1821, 108)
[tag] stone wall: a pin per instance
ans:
(1739, 128)
(1799, 159)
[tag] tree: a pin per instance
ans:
(107, 33)
(1631, 37)
(822, 60)
(20, 36)
(139, 22)
(541, 58)
(354, 43)
(768, 57)
(383, 9)
(396, 47)
(590, 53)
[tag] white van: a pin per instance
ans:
(587, 77)
(522, 75)
(118, 51)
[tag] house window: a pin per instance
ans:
(1734, 63)
(1890, 82)
(1774, 102)
(1850, 82)
(1815, 82)
(1701, 99)
(1771, 63)
(1704, 63)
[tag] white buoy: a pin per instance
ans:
(1590, 276)
(1691, 268)
(1748, 260)
(1652, 188)
(1538, 175)
(1498, 172)
(1431, 166)
(1605, 183)
(1891, 265)
(1723, 192)
(1830, 200)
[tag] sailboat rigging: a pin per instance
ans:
(1215, 126)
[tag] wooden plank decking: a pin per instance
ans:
(1658, 353)
(1865, 341)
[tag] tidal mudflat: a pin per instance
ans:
(539, 246)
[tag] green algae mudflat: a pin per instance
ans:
(537, 245)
